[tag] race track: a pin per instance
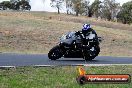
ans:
(8, 59)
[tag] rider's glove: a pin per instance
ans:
(77, 33)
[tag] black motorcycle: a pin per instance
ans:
(73, 46)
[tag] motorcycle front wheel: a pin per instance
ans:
(55, 53)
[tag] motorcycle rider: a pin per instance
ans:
(81, 44)
(86, 34)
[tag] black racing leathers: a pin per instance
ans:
(83, 35)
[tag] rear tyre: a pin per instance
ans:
(55, 53)
(91, 54)
(87, 57)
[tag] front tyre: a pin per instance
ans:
(55, 53)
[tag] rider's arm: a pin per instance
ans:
(78, 33)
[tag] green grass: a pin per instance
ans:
(38, 32)
(57, 77)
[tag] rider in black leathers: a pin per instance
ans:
(86, 30)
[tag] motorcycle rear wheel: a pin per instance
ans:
(88, 57)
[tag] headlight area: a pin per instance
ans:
(68, 36)
(63, 37)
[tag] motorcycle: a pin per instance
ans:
(73, 46)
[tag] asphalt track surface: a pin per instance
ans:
(11, 59)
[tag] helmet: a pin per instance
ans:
(86, 27)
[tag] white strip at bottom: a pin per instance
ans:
(65, 65)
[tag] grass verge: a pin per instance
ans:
(57, 77)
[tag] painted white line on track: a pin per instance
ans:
(66, 65)
(82, 65)
(7, 66)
